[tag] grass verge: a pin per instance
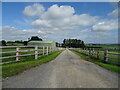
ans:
(18, 67)
(110, 67)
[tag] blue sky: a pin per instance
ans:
(14, 10)
(24, 25)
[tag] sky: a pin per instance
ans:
(92, 22)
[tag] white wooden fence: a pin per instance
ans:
(97, 53)
(37, 51)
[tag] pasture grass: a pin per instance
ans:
(10, 43)
(18, 67)
(104, 46)
(112, 47)
(110, 67)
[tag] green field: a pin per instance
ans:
(15, 44)
(105, 46)
(113, 48)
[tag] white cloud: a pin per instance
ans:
(35, 10)
(56, 12)
(107, 25)
(84, 31)
(114, 13)
(41, 24)
(12, 33)
(59, 22)
(97, 37)
(63, 18)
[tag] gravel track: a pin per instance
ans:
(66, 71)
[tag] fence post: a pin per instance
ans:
(105, 55)
(89, 51)
(17, 53)
(47, 50)
(98, 53)
(50, 49)
(92, 52)
(83, 50)
(43, 50)
(36, 52)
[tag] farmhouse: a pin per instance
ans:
(42, 43)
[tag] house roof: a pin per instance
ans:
(41, 42)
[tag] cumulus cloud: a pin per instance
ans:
(35, 10)
(97, 37)
(107, 25)
(84, 31)
(59, 22)
(12, 33)
(56, 12)
(63, 18)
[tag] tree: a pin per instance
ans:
(35, 38)
(18, 41)
(3, 42)
(25, 42)
(73, 43)
(64, 43)
(82, 44)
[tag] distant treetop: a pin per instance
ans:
(73, 43)
(35, 38)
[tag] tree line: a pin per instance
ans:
(19, 42)
(75, 43)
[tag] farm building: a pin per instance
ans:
(42, 43)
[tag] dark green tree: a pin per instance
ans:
(3, 43)
(64, 43)
(82, 44)
(35, 38)
(73, 43)
(25, 42)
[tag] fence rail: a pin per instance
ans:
(37, 51)
(103, 54)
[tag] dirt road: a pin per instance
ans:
(66, 71)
